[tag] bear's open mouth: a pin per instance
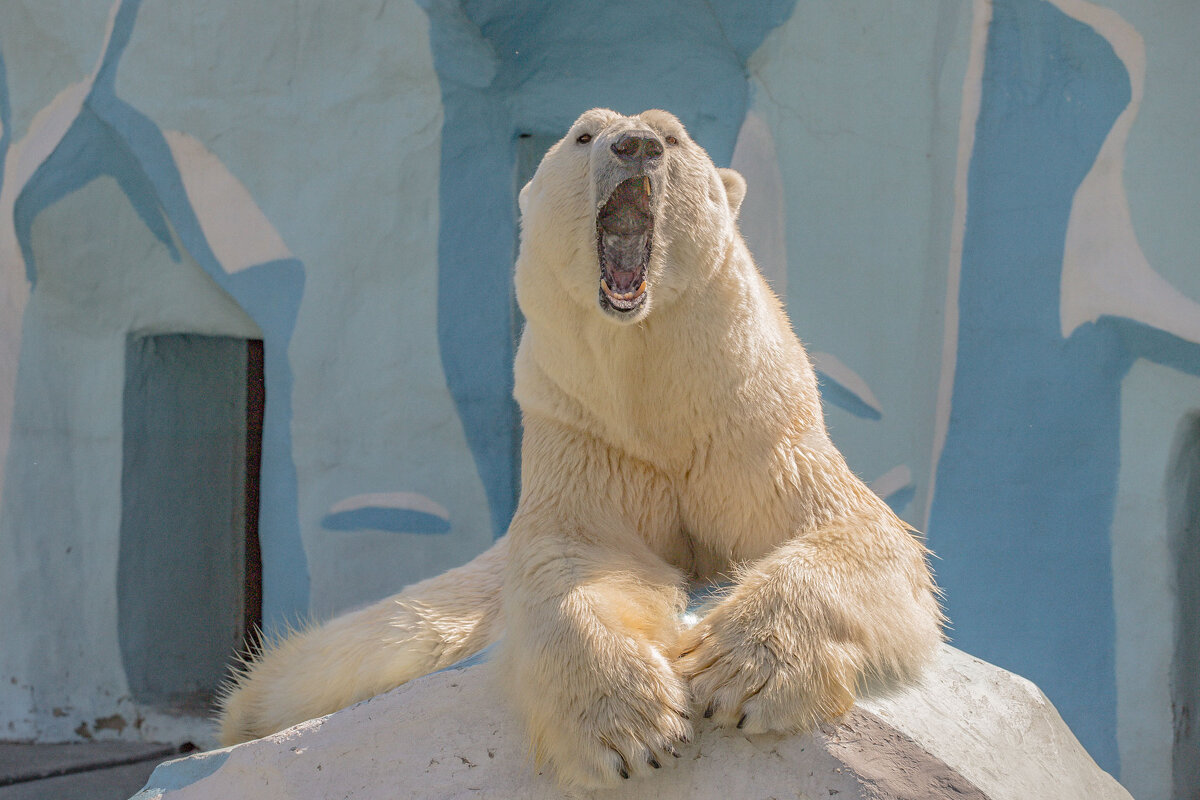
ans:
(624, 230)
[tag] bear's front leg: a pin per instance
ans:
(585, 655)
(812, 625)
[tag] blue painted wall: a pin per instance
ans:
(1026, 480)
(340, 181)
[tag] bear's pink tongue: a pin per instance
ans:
(624, 259)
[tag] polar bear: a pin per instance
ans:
(673, 438)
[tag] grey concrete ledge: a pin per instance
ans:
(968, 731)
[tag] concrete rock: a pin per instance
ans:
(969, 731)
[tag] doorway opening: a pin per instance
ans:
(1183, 520)
(189, 578)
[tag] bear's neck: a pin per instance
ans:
(687, 369)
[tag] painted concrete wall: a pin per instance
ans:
(981, 217)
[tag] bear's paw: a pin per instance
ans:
(756, 670)
(603, 726)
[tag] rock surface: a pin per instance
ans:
(969, 731)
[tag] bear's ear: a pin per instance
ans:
(735, 188)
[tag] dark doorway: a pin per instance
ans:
(189, 574)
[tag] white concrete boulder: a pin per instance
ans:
(969, 731)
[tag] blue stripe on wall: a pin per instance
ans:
(383, 518)
(1025, 484)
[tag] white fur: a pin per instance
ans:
(680, 442)
(317, 670)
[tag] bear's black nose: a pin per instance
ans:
(637, 145)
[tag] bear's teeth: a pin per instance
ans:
(626, 296)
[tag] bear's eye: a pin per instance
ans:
(584, 138)
(671, 140)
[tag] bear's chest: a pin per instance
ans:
(737, 498)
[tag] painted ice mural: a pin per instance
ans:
(107, 136)
(90, 150)
(87, 144)
(842, 229)
(1025, 483)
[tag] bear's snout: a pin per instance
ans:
(638, 146)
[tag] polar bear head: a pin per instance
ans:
(624, 215)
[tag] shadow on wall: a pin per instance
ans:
(530, 67)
